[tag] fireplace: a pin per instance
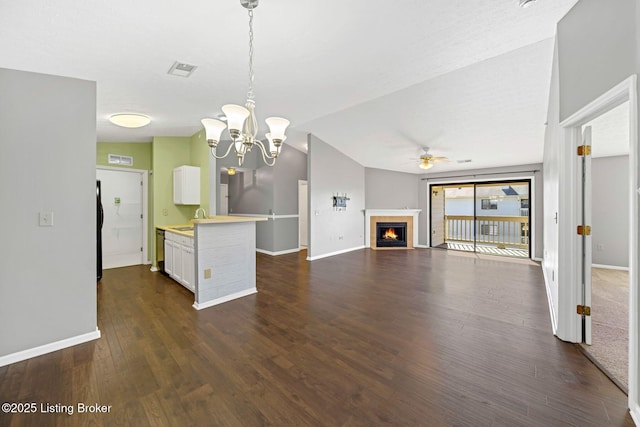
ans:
(391, 234)
(406, 217)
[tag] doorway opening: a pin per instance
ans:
(607, 261)
(489, 217)
(576, 277)
(124, 204)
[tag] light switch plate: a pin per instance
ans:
(46, 219)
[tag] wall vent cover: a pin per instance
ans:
(115, 159)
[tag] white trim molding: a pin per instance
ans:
(552, 311)
(569, 251)
(272, 217)
(344, 251)
(610, 267)
(49, 348)
(224, 299)
(276, 253)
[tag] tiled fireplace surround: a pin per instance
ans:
(372, 216)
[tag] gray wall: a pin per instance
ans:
(331, 173)
(610, 211)
(391, 190)
(290, 168)
(47, 163)
(266, 190)
(597, 46)
(251, 191)
(492, 174)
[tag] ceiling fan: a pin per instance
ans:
(427, 160)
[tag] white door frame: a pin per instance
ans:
(303, 208)
(144, 176)
(569, 250)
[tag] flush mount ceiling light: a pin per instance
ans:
(231, 171)
(242, 122)
(130, 120)
(526, 3)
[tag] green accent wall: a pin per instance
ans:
(141, 153)
(160, 157)
(200, 157)
(168, 154)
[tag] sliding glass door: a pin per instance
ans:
(491, 218)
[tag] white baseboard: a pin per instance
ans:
(206, 304)
(634, 410)
(536, 259)
(154, 269)
(344, 251)
(552, 313)
(48, 348)
(288, 251)
(422, 246)
(610, 267)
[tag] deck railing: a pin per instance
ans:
(502, 231)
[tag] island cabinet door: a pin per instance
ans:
(168, 257)
(177, 261)
(188, 268)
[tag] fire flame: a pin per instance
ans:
(390, 234)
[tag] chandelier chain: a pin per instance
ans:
(250, 94)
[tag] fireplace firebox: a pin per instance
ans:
(391, 234)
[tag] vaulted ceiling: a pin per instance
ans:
(378, 80)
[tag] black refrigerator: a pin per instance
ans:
(100, 219)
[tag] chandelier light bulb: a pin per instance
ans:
(236, 115)
(213, 129)
(273, 148)
(277, 127)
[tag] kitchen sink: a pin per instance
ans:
(183, 228)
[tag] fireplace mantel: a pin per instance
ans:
(390, 213)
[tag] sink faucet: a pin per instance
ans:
(204, 213)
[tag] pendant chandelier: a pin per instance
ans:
(242, 122)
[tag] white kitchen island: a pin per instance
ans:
(225, 259)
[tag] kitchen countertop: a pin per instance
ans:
(173, 229)
(220, 219)
(228, 218)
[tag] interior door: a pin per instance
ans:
(437, 216)
(586, 237)
(122, 229)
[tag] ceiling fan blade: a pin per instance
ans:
(440, 159)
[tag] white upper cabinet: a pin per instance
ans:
(186, 185)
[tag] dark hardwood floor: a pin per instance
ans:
(418, 338)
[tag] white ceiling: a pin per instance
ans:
(376, 79)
